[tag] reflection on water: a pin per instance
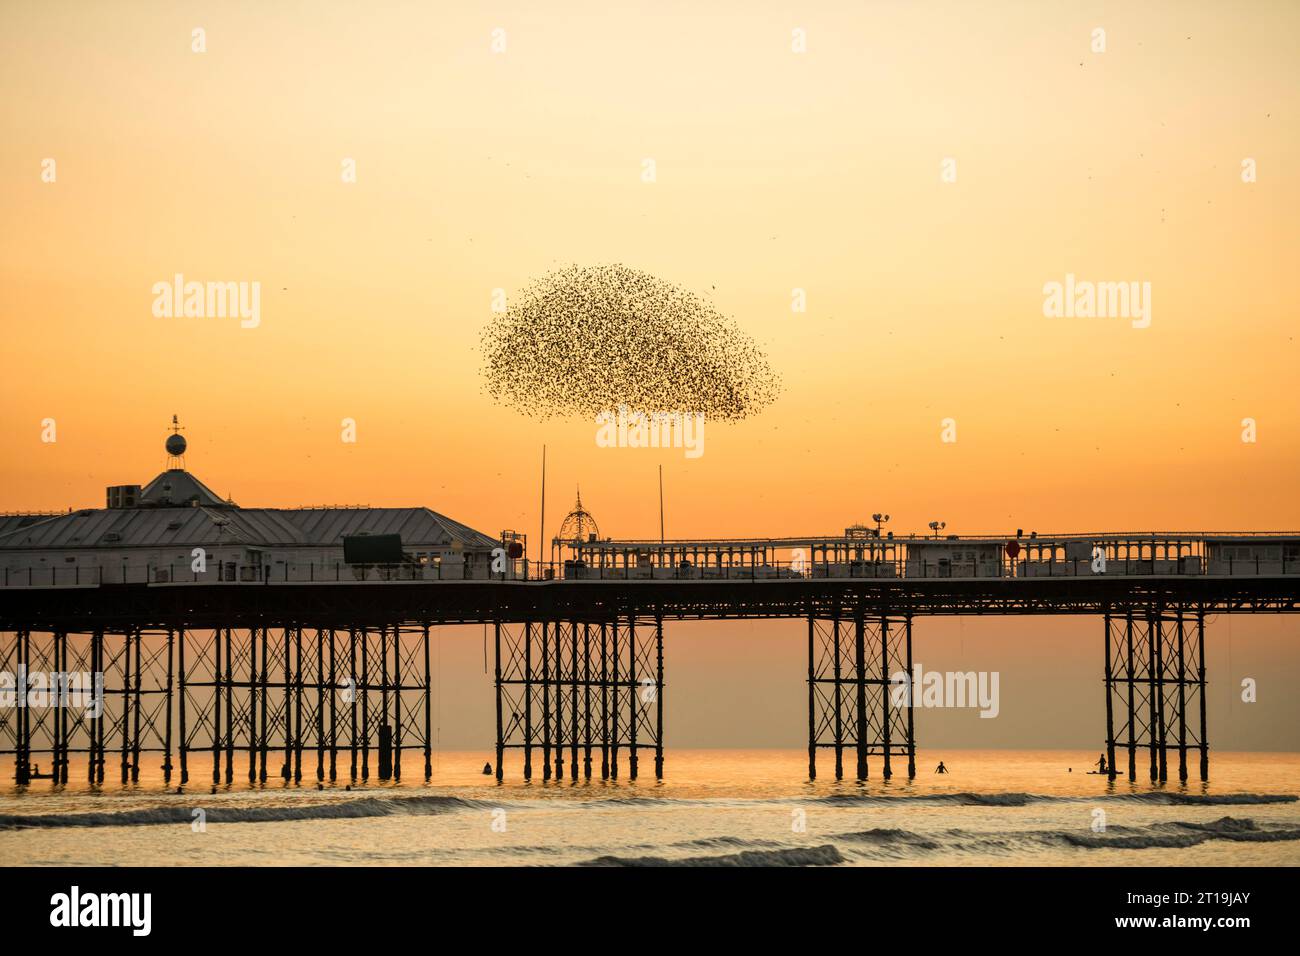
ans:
(738, 807)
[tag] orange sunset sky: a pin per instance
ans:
(479, 170)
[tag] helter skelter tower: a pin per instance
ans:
(581, 683)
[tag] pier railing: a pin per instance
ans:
(526, 571)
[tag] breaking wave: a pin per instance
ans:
(347, 810)
(1205, 800)
(1179, 835)
(826, 855)
(1171, 835)
(888, 837)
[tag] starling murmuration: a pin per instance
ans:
(585, 339)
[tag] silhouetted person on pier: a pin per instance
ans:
(1101, 764)
(941, 768)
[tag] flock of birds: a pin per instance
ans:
(587, 339)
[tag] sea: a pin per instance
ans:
(717, 808)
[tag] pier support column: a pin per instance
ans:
(230, 710)
(524, 673)
(1123, 646)
(181, 691)
(320, 705)
(216, 686)
(263, 692)
(297, 703)
(1154, 674)
(633, 699)
(546, 699)
(886, 705)
(615, 712)
(659, 697)
(586, 701)
(812, 702)
(137, 702)
(860, 655)
(908, 703)
(575, 675)
(1182, 701)
(1155, 692)
(528, 700)
(557, 696)
(604, 700)
(1203, 740)
(428, 709)
(253, 695)
(99, 764)
(1109, 688)
(124, 726)
(22, 714)
(365, 705)
(182, 676)
(582, 689)
(1180, 667)
(501, 740)
(55, 711)
(58, 694)
(837, 692)
(385, 728)
(353, 737)
(1130, 672)
(858, 706)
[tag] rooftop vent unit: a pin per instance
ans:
(123, 496)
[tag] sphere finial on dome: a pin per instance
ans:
(175, 445)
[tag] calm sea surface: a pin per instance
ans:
(717, 808)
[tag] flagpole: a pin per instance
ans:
(541, 537)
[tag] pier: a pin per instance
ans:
(255, 644)
(267, 677)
